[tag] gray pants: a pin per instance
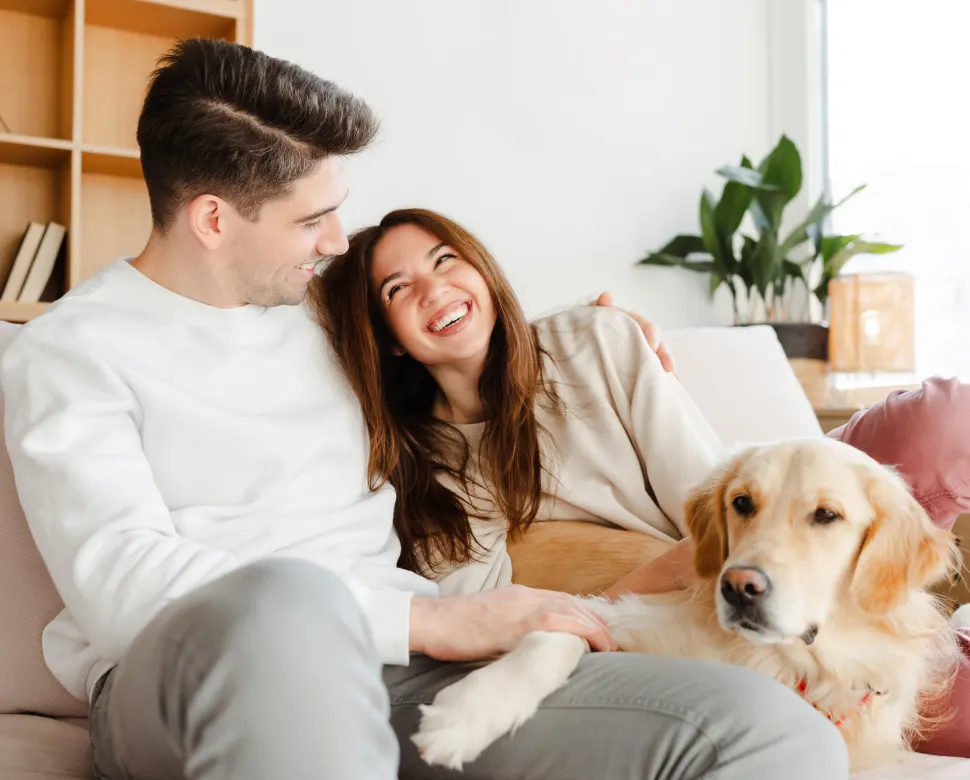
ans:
(270, 674)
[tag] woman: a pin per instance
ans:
(485, 424)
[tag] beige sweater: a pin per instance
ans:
(629, 445)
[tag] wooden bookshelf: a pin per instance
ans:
(73, 75)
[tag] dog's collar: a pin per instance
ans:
(802, 688)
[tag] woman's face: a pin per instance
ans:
(437, 304)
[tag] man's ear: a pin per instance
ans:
(903, 550)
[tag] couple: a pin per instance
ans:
(212, 495)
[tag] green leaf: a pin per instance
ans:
(715, 283)
(683, 245)
(712, 243)
(673, 261)
(746, 176)
(832, 245)
(792, 270)
(729, 212)
(837, 262)
(746, 266)
(782, 168)
(811, 226)
(765, 262)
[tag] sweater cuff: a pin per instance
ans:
(388, 613)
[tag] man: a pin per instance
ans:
(193, 470)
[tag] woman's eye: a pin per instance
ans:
(442, 259)
(393, 290)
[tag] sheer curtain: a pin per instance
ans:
(898, 119)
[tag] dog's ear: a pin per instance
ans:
(902, 551)
(704, 514)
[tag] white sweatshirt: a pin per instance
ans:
(158, 443)
(627, 450)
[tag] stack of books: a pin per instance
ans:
(31, 269)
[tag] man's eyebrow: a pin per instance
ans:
(325, 211)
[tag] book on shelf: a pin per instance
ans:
(31, 269)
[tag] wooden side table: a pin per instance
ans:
(834, 405)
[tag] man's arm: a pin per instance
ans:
(88, 493)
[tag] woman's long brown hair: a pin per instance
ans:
(398, 394)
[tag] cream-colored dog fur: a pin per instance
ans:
(848, 554)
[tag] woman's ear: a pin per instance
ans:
(398, 351)
(903, 550)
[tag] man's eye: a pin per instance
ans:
(311, 225)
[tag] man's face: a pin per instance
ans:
(271, 260)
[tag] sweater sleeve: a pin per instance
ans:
(95, 512)
(677, 445)
(87, 490)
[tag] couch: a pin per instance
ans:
(738, 376)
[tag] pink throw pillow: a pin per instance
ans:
(925, 435)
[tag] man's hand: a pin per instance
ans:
(651, 331)
(674, 570)
(483, 625)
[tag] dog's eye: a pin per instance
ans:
(825, 516)
(743, 505)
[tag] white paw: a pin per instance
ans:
(468, 716)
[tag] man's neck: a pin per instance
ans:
(183, 271)
(460, 401)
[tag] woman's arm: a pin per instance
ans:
(671, 571)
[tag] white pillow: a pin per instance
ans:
(742, 382)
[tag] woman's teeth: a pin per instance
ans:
(450, 318)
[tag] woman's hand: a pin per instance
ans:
(674, 570)
(483, 625)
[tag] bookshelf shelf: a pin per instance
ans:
(110, 160)
(68, 152)
(35, 152)
(50, 9)
(171, 19)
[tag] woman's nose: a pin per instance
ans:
(430, 291)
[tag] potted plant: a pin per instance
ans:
(762, 269)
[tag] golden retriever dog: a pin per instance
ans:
(812, 565)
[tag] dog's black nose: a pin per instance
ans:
(743, 587)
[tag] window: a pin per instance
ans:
(898, 74)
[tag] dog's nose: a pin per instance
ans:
(743, 586)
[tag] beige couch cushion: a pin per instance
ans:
(34, 748)
(29, 601)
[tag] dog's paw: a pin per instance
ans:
(468, 716)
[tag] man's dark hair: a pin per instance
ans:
(224, 119)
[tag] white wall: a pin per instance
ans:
(569, 135)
